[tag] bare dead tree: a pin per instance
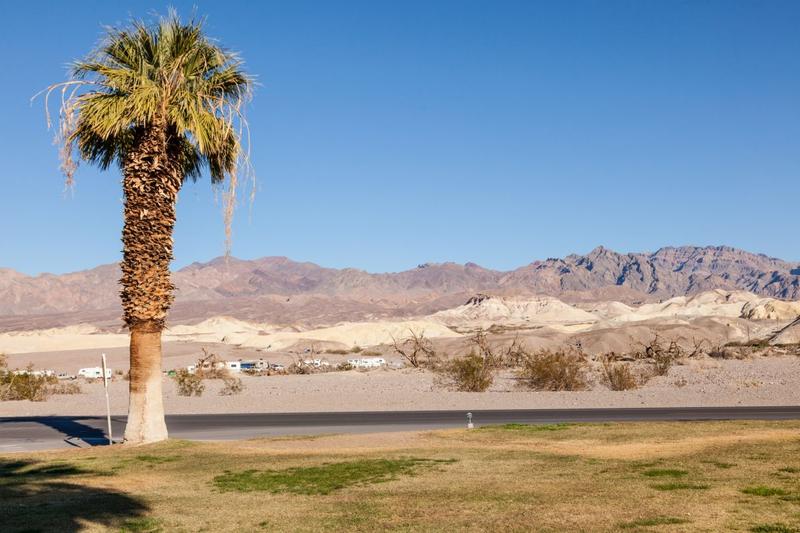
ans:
(697, 347)
(516, 353)
(480, 344)
(417, 349)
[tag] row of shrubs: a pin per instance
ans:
(26, 386)
(545, 370)
(192, 383)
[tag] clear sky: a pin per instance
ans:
(387, 134)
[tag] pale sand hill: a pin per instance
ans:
(788, 335)
(352, 334)
(83, 336)
(481, 312)
(718, 302)
(509, 312)
(225, 331)
(605, 310)
(770, 309)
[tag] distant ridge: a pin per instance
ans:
(270, 281)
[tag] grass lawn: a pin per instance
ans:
(682, 476)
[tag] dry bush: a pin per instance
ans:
(417, 350)
(344, 366)
(25, 386)
(662, 357)
(729, 352)
(697, 349)
(554, 371)
(476, 371)
(473, 373)
(66, 387)
(232, 386)
(211, 366)
(189, 384)
(618, 376)
(299, 368)
(516, 354)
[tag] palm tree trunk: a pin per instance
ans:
(146, 407)
(151, 183)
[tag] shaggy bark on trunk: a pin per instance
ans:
(151, 183)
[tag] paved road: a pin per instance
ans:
(48, 432)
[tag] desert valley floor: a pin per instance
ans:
(736, 348)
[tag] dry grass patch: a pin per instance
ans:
(501, 477)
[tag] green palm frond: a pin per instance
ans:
(168, 71)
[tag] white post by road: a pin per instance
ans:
(108, 404)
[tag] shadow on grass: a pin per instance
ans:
(38, 497)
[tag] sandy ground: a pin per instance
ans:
(705, 382)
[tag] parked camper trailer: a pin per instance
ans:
(94, 372)
(316, 363)
(367, 362)
(34, 373)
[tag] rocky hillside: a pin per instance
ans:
(601, 274)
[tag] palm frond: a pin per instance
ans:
(168, 70)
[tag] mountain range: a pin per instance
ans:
(279, 289)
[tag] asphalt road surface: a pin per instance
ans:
(50, 432)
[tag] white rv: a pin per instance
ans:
(367, 362)
(94, 372)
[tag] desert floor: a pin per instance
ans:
(693, 382)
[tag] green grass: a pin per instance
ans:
(141, 525)
(679, 486)
(720, 464)
(665, 472)
(774, 528)
(155, 459)
(656, 521)
(761, 490)
(528, 428)
(321, 479)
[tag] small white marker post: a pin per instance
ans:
(108, 404)
(470, 425)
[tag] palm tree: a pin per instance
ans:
(163, 102)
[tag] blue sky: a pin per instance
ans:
(387, 134)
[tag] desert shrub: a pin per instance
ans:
(232, 386)
(618, 376)
(355, 349)
(516, 354)
(25, 386)
(554, 371)
(337, 352)
(344, 366)
(65, 387)
(298, 368)
(211, 366)
(662, 357)
(473, 373)
(417, 350)
(189, 384)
